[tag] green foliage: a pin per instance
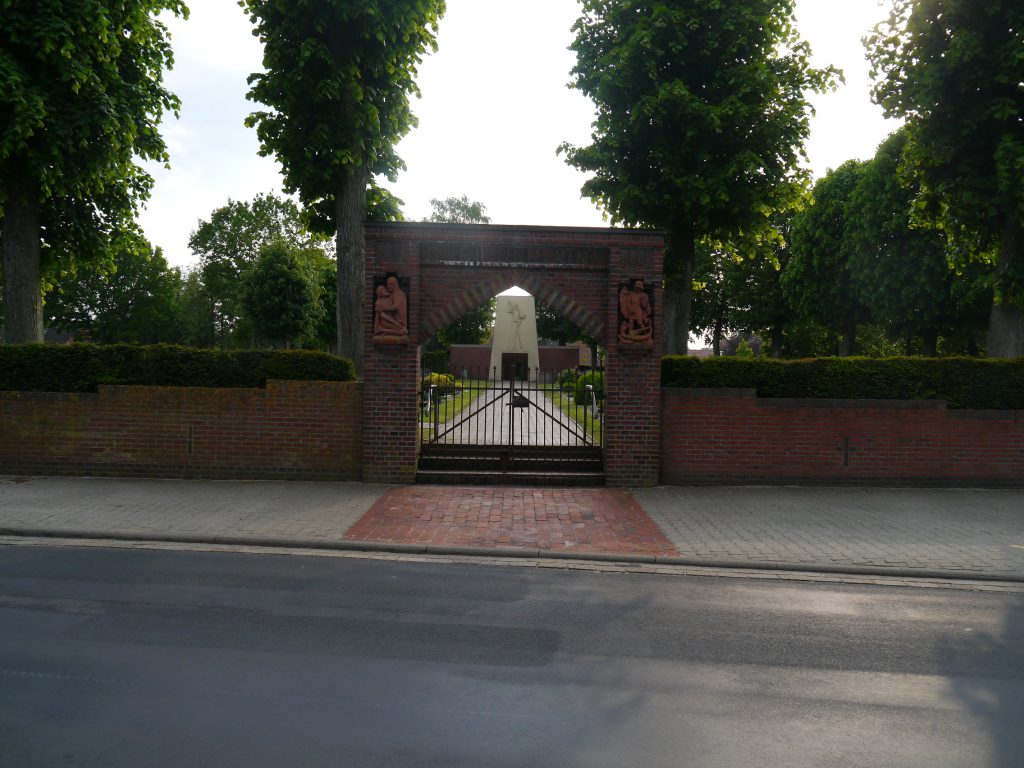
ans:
(551, 324)
(445, 383)
(818, 281)
(901, 267)
(594, 379)
(567, 378)
(228, 245)
(196, 313)
(81, 99)
(953, 71)
(701, 116)
(717, 277)
(458, 210)
(136, 301)
(83, 367)
(280, 296)
(743, 349)
(435, 361)
(336, 82)
(961, 382)
(474, 327)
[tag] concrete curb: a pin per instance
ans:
(461, 551)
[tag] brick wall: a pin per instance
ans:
(732, 436)
(297, 430)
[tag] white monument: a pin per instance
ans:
(514, 343)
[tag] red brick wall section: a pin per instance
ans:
(469, 357)
(732, 436)
(295, 430)
(558, 358)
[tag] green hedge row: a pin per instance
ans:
(962, 382)
(83, 367)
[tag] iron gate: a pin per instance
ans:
(512, 425)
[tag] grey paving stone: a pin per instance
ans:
(265, 509)
(942, 529)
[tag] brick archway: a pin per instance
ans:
(471, 298)
(449, 269)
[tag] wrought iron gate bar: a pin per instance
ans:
(519, 415)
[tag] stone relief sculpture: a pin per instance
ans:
(390, 310)
(517, 320)
(636, 325)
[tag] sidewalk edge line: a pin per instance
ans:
(522, 553)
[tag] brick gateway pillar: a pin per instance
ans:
(444, 270)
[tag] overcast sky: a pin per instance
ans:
(494, 108)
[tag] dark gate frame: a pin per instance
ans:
(452, 268)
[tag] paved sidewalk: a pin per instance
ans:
(213, 510)
(958, 531)
(933, 532)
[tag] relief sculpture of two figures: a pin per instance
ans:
(636, 325)
(390, 310)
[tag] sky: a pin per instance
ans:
(493, 110)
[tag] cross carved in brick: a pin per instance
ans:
(846, 449)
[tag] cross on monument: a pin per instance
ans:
(847, 449)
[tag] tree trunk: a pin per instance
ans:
(849, 337)
(23, 297)
(777, 341)
(678, 294)
(350, 210)
(716, 338)
(1006, 323)
(929, 343)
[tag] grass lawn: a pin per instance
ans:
(583, 415)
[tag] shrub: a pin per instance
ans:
(567, 378)
(963, 382)
(83, 367)
(594, 379)
(444, 382)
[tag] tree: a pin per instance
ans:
(458, 210)
(818, 281)
(337, 81)
(761, 304)
(280, 295)
(195, 324)
(701, 116)
(81, 97)
(229, 244)
(134, 302)
(953, 70)
(717, 277)
(901, 270)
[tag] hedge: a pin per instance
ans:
(963, 382)
(83, 367)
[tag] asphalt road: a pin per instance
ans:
(143, 658)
